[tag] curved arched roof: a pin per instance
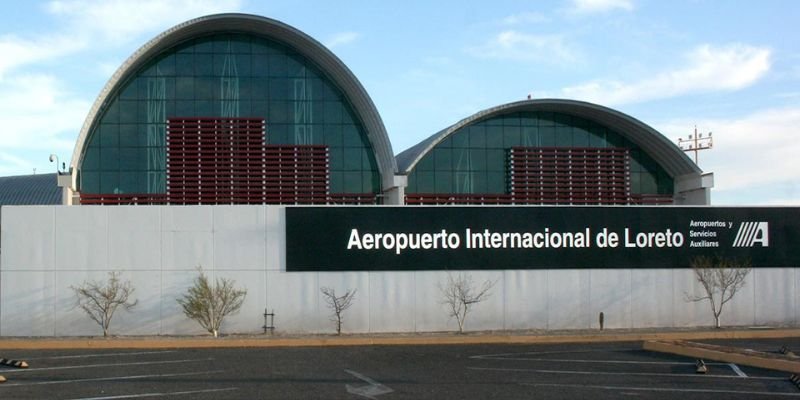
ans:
(667, 154)
(274, 30)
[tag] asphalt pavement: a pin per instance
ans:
(605, 370)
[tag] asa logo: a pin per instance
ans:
(751, 233)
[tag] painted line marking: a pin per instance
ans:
(738, 371)
(111, 365)
(568, 360)
(552, 371)
(111, 378)
(138, 396)
(369, 391)
(606, 350)
(140, 353)
(656, 389)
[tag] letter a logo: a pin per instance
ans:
(751, 233)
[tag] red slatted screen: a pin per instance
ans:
(554, 175)
(215, 161)
(227, 161)
(457, 198)
(297, 174)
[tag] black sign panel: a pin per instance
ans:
(438, 238)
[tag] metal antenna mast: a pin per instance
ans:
(696, 143)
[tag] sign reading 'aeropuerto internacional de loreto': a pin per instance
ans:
(481, 237)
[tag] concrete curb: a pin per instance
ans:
(751, 358)
(388, 340)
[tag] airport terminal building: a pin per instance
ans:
(239, 144)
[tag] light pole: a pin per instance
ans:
(696, 143)
(60, 170)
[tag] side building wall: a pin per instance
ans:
(44, 250)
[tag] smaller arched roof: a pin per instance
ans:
(41, 189)
(305, 45)
(674, 161)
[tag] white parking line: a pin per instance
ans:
(111, 378)
(738, 371)
(140, 353)
(139, 396)
(593, 361)
(551, 371)
(656, 389)
(501, 356)
(30, 370)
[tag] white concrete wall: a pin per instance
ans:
(44, 250)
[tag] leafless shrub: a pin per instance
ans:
(338, 304)
(209, 304)
(721, 279)
(100, 299)
(459, 293)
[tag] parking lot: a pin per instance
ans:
(596, 371)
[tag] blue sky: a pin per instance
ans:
(724, 66)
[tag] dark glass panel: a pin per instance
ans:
(352, 182)
(496, 182)
(425, 182)
(279, 112)
(337, 182)
(352, 159)
(496, 159)
(477, 136)
(426, 163)
(109, 135)
(91, 160)
(479, 182)
(511, 136)
(460, 139)
(443, 159)
(278, 89)
(205, 65)
(277, 65)
(109, 182)
(478, 159)
(563, 137)
(109, 159)
(333, 112)
(336, 158)
(351, 136)
(132, 159)
(90, 181)
(494, 137)
(443, 182)
(547, 136)
(184, 65)
(530, 136)
(259, 65)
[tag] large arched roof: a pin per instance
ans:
(667, 154)
(274, 30)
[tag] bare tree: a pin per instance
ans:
(101, 299)
(721, 279)
(459, 293)
(338, 304)
(209, 304)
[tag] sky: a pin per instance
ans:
(727, 67)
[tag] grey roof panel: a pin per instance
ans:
(41, 189)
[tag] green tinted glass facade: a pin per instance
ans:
(473, 160)
(217, 76)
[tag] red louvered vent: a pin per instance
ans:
(555, 175)
(215, 161)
